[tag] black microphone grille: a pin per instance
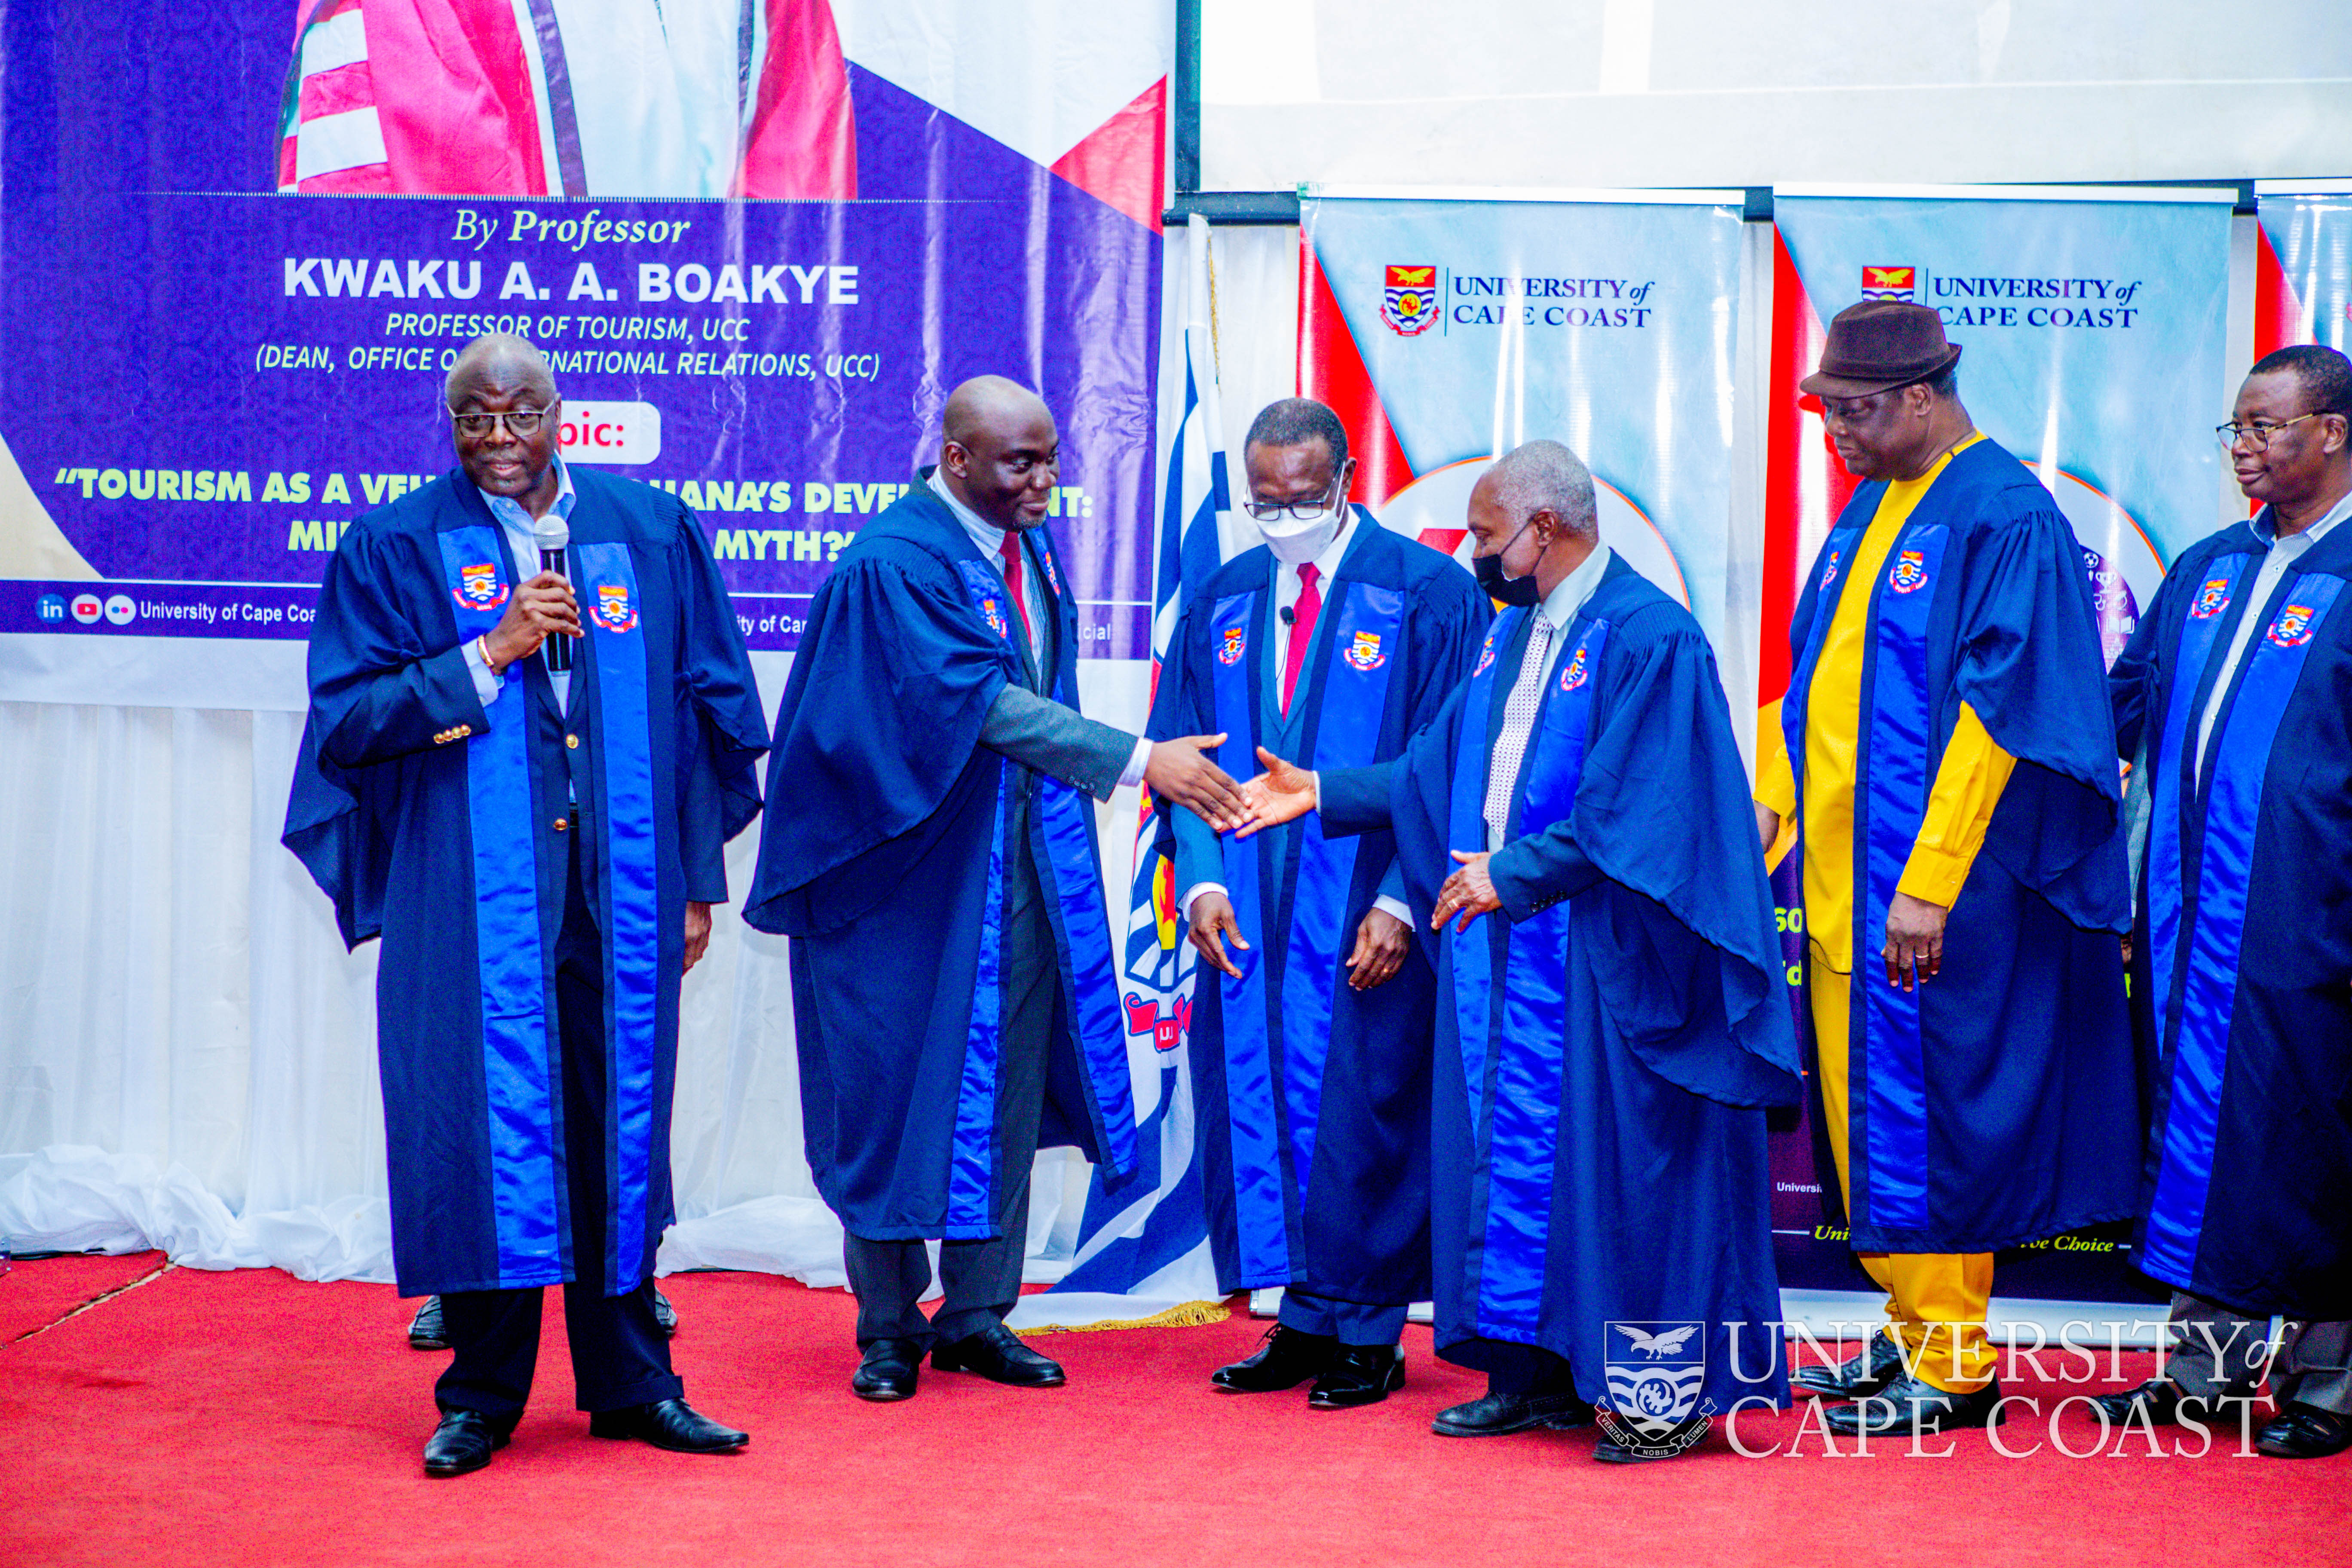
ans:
(1289, 617)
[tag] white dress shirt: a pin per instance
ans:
(1559, 607)
(2280, 555)
(989, 540)
(515, 521)
(1286, 597)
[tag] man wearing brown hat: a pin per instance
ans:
(1946, 763)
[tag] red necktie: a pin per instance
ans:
(1302, 630)
(1012, 551)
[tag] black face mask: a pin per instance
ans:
(1516, 591)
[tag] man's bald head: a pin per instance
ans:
(1544, 475)
(999, 453)
(500, 360)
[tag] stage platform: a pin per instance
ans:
(195, 1418)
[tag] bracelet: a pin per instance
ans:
(482, 646)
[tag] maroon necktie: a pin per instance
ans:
(1302, 630)
(1012, 551)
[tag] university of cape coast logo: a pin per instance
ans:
(1365, 653)
(1656, 1371)
(1573, 676)
(1890, 283)
(1231, 653)
(1486, 656)
(478, 587)
(1910, 573)
(1409, 299)
(994, 616)
(613, 612)
(2293, 627)
(1829, 572)
(2211, 595)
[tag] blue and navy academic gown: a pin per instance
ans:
(2242, 945)
(1998, 1102)
(1313, 1097)
(448, 830)
(884, 858)
(1606, 1044)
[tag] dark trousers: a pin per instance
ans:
(1524, 1370)
(981, 1278)
(620, 1356)
(1349, 1322)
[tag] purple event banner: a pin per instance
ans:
(202, 388)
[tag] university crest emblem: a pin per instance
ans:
(613, 612)
(1365, 653)
(1409, 299)
(2293, 627)
(1657, 1373)
(1910, 573)
(2212, 597)
(1052, 581)
(1486, 656)
(1231, 653)
(1573, 676)
(1890, 283)
(994, 616)
(1829, 572)
(478, 587)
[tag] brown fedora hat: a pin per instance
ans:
(1877, 344)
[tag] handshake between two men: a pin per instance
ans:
(1284, 792)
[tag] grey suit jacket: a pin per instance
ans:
(1037, 732)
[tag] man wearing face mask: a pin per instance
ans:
(1600, 1203)
(1338, 640)
(933, 859)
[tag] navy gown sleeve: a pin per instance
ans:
(879, 720)
(723, 728)
(1684, 940)
(2132, 680)
(2031, 664)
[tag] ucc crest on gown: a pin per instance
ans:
(2211, 597)
(1229, 652)
(613, 612)
(2292, 628)
(1910, 573)
(1365, 653)
(478, 587)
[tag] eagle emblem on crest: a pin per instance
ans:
(478, 587)
(1409, 299)
(613, 612)
(2293, 627)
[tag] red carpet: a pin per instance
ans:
(249, 1418)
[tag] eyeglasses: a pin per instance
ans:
(523, 423)
(2259, 435)
(1297, 511)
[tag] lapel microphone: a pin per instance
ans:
(1289, 617)
(554, 535)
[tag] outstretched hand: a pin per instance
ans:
(1180, 771)
(1282, 793)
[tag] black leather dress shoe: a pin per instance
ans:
(2158, 1400)
(664, 1315)
(2304, 1431)
(425, 1330)
(1359, 1374)
(997, 1354)
(889, 1371)
(670, 1424)
(463, 1442)
(1286, 1357)
(1878, 1367)
(1911, 1404)
(1499, 1414)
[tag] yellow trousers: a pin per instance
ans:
(1936, 1299)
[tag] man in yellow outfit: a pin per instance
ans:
(1963, 878)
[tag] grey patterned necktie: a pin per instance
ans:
(1518, 719)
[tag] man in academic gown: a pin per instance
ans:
(1335, 641)
(1605, 1051)
(1944, 749)
(2237, 691)
(522, 776)
(930, 850)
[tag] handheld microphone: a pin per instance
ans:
(554, 535)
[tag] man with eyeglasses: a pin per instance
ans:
(538, 840)
(1338, 640)
(1944, 754)
(931, 851)
(2237, 690)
